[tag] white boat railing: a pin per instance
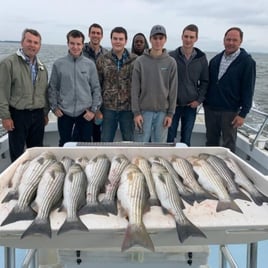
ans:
(261, 131)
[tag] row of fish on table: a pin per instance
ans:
(102, 186)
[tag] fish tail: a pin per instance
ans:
(11, 195)
(137, 235)
(239, 195)
(202, 196)
(259, 198)
(189, 198)
(188, 229)
(69, 225)
(38, 227)
(108, 206)
(228, 204)
(17, 214)
(94, 208)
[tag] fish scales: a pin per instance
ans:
(74, 197)
(118, 164)
(28, 187)
(170, 200)
(49, 192)
(133, 197)
(96, 171)
(226, 174)
(184, 192)
(210, 179)
(244, 181)
(145, 166)
(185, 170)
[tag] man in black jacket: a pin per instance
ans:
(232, 75)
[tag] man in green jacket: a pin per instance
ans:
(23, 95)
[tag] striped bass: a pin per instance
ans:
(28, 187)
(144, 165)
(133, 196)
(170, 201)
(67, 162)
(49, 193)
(119, 163)
(242, 179)
(96, 172)
(82, 161)
(185, 170)
(226, 174)
(184, 192)
(210, 179)
(74, 197)
(13, 186)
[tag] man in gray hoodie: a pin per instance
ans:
(74, 91)
(154, 90)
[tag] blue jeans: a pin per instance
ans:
(74, 129)
(187, 116)
(111, 119)
(153, 128)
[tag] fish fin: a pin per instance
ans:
(70, 225)
(109, 206)
(93, 208)
(17, 214)
(154, 202)
(11, 195)
(38, 226)
(204, 196)
(137, 235)
(188, 229)
(229, 204)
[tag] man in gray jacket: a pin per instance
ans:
(74, 91)
(154, 90)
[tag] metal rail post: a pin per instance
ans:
(226, 256)
(252, 253)
(9, 257)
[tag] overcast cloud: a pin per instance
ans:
(55, 18)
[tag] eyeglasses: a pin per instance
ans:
(159, 37)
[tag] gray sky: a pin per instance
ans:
(53, 19)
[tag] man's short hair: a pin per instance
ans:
(75, 34)
(119, 30)
(192, 28)
(95, 25)
(31, 31)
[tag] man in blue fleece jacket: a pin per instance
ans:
(232, 75)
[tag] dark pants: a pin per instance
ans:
(29, 131)
(187, 116)
(96, 133)
(219, 126)
(74, 129)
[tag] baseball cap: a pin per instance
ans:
(158, 29)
